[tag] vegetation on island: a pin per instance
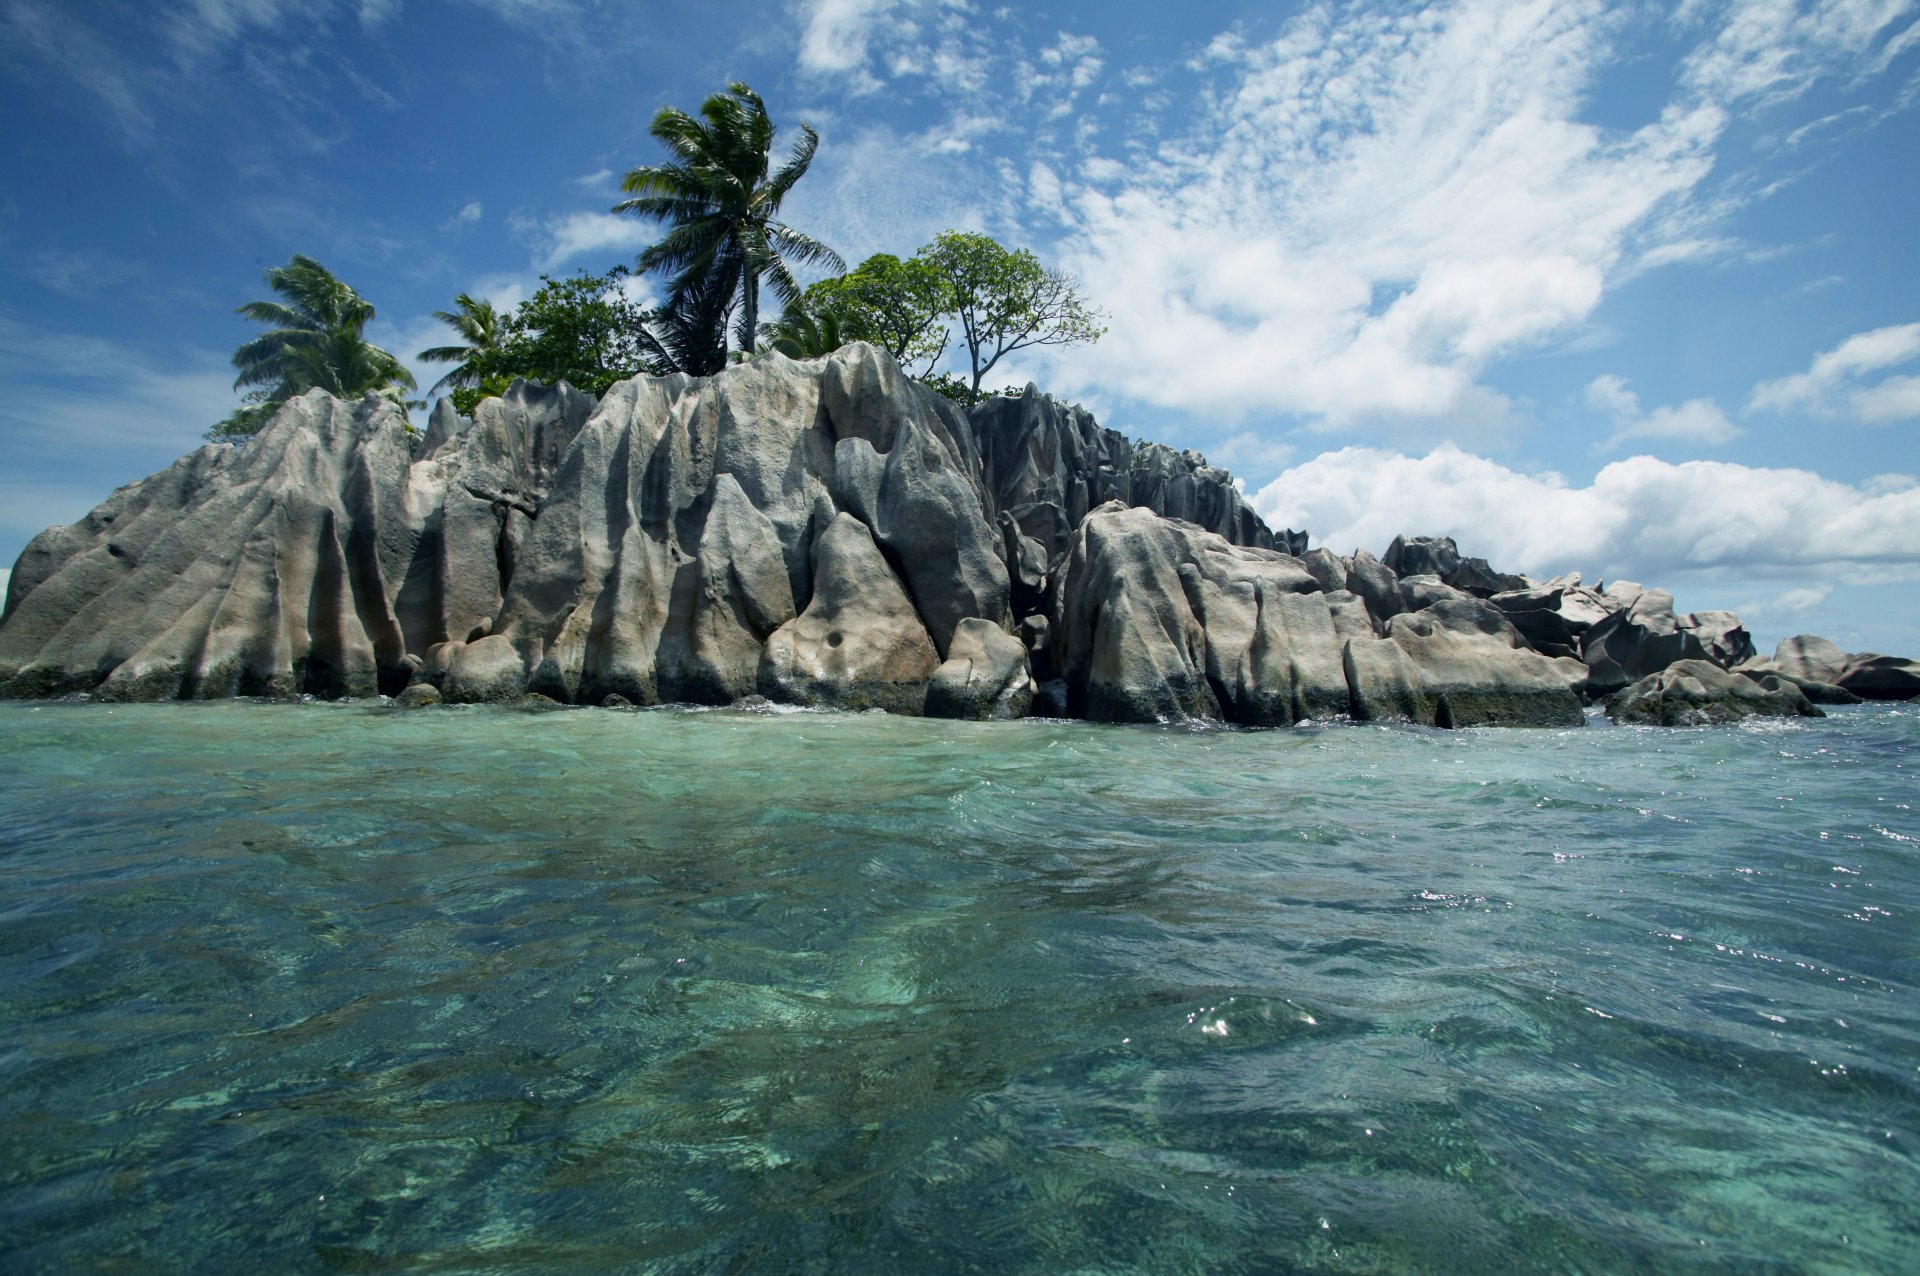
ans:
(315, 339)
(964, 299)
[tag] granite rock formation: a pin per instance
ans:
(1691, 693)
(823, 533)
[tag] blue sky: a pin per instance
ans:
(1629, 289)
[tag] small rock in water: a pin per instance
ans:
(614, 700)
(419, 696)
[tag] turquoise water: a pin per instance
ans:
(336, 988)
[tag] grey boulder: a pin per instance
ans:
(1701, 693)
(985, 675)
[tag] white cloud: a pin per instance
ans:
(605, 234)
(1372, 209)
(1250, 456)
(1835, 384)
(1641, 518)
(936, 44)
(1771, 49)
(1798, 601)
(1698, 421)
(1369, 211)
(470, 212)
(836, 37)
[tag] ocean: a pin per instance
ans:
(341, 988)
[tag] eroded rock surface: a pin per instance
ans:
(1692, 693)
(821, 533)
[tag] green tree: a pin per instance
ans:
(721, 207)
(898, 305)
(481, 328)
(1005, 300)
(585, 330)
(315, 340)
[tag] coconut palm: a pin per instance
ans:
(315, 340)
(721, 210)
(800, 335)
(481, 327)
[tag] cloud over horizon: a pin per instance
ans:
(1641, 517)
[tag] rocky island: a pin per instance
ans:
(832, 533)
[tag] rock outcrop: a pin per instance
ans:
(824, 533)
(1161, 620)
(1693, 693)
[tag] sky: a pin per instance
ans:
(1627, 289)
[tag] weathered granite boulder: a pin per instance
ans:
(985, 675)
(1725, 640)
(1536, 614)
(1164, 621)
(1374, 582)
(649, 545)
(419, 695)
(1811, 657)
(1817, 692)
(1876, 677)
(1045, 464)
(860, 643)
(267, 570)
(1700, 693)
(1476, 670)
(1643, 637)
(1326, 567)
(1158, 622)
(1417, 592)
(1182, 485)
(1439, 556)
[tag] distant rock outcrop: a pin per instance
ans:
(823, 533)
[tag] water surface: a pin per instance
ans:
(339, 988)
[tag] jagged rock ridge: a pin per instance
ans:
(827, 533)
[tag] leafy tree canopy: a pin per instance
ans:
(895, 304)
(1005, 300)
(585, 330)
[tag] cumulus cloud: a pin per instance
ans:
(1837, 383)
(1641, 517)
(1698, 421)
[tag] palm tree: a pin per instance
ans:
(800, 335)
(479, 325)
(315, 341)
(721, 210)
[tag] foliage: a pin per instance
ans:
(720, 206)
(957, 389)
(480, 327)
(800, 335)
(895, 304)
(584, 330)
(315, 340)
(1005, 300)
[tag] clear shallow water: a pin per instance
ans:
(334, 988)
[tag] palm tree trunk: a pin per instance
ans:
(751, 315)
